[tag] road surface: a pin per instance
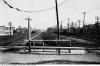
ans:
(35, 58)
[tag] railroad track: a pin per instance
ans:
(80, 45)
(75, 43)
(52, 37)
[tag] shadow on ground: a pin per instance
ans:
(60, 62)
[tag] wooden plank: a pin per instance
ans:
(67, 48)
(50, 40)
(50, 47)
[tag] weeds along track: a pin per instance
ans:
(12, 40)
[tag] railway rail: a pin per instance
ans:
(75, 43)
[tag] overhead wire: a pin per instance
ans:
(90, 11)
(10, 6)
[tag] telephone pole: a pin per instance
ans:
(72, 24)
(10, 24)
(68, 24)
(84, 14)
(61, 26)
(57, 16)
(97, 19)
(76, 25)
(29, 33)
(97, 24)
(79, 21)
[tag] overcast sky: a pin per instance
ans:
(71, 9)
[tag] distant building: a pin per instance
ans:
(6, 30)
(92, 28)
(89, 26)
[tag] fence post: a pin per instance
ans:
(69, 51)
(43, 45)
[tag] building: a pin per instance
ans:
(6, 30)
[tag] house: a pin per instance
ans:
(6, 30)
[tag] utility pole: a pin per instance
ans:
(10, 24)
(76, 25)
(97, 24)
(79, 21)
(61, 26)
(57, 16)
(97, 19)
(68, 24)
(72, 24)
(84, 14)
(29, 33)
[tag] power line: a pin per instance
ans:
(90, 11)
(10, 6)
